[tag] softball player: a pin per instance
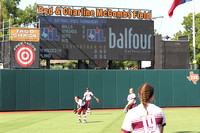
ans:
(146, 117)
(131, 99)
(88, 95)
(81, 107)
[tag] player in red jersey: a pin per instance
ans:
(81, 107)
(146, 117)
(131, 99)
(88, 95)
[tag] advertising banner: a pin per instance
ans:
(24, 54)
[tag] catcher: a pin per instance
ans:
(80, 107)
(88, 95)
(131, 100)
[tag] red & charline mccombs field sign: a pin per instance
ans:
(74, 37)
(64, 10)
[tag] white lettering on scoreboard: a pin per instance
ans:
(129, 40)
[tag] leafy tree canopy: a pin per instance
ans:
(188, 30)
(10, 10)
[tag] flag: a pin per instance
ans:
(175, 4)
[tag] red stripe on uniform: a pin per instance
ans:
(137, 125)
(125, 131)
(159, 121)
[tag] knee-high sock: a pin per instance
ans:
(84, 116)
(79, 117)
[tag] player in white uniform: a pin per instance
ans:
(81, 107)
(146, 117)
(88, 95)
(131, 99)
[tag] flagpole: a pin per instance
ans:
(194, 49)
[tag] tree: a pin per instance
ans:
(178, 34)
(16, 16)
(188, 30)
(155, 32)
(27, 16)
(72, 64)
(11, 11)
(123, 64)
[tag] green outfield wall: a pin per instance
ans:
(23, 90)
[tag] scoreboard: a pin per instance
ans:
(84, 38)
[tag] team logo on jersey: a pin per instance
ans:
(95, 35)
(193, 77)
(25, 55)
(49, 33)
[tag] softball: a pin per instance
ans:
(195, 62)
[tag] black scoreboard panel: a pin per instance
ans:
(80, 38)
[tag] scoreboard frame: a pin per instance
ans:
(95, 37)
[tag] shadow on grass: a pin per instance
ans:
(94, 121)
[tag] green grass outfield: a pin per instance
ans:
(184, 120)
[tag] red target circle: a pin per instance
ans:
(25, 55)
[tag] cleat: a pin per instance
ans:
(85, 121)
(79, 121)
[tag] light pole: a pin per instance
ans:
(194, 49)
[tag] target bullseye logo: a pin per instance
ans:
(25, 55)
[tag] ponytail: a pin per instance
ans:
(145, 92)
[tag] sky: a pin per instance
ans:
(165, 26)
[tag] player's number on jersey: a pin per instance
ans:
(149, 122)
